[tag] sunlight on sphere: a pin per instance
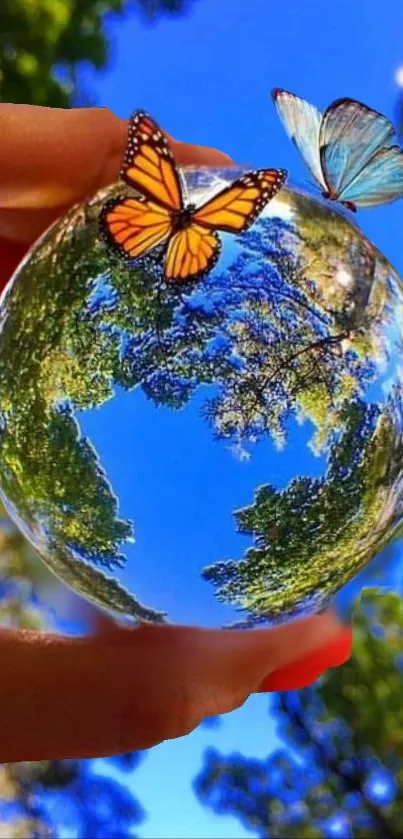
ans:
(228, 452)
(344, 278)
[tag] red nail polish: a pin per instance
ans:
(307, 670)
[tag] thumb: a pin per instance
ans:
(52, 158)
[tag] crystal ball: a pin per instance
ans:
(226, 452)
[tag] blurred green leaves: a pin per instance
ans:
(43, 44)
(340, 770)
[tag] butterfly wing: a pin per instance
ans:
(236, 207)
(191, 253)
(380, 182)
(350, 135)
(149, 165)
(194, 251)
(302, 123)
(133, 226)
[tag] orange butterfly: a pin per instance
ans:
(134, 226)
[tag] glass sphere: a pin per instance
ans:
(226, 452)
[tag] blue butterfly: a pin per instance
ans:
(347, 149)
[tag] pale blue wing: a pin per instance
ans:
(350, 134)
(380, 181)
(302, 123)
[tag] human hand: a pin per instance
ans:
(122, 689)
(127, 689)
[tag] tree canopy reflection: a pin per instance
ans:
(269, 337)
(315, 535)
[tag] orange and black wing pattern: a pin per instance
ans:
(194, 251)
(149, 164)
(237, 206)
(133, 226)
(191, 253)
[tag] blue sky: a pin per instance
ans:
(206, 78)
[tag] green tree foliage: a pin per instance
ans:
(262, 344)
(291, 340)
(51, 474)
(77, 512)
(56, 798)
(261, 333)
(17, 607)
(43, 44)
(315, 535)
(340, 772)
(52, 798)
(348, 272)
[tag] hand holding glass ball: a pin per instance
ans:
(151, 682)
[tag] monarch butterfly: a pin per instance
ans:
(347, 149)
(135, 225)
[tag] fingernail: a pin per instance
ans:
(308, 669)
(252, 655)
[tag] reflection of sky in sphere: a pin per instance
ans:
(180, 487)
(226, 452)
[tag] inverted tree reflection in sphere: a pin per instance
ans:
(221, 453)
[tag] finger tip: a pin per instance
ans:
(307, 670)
(194, 155)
